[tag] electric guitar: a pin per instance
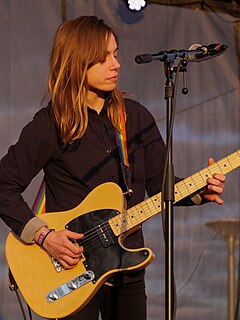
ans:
(54, 292)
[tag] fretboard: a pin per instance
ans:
(138, 214)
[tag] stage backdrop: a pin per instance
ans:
(206, 124)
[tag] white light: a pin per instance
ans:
(136, 4)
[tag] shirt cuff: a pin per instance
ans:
(30, 228)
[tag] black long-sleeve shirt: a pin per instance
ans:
(72, 172)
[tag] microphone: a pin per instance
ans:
(161, 56)
(196, 53)
(208, 52)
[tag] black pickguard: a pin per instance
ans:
(101, 248)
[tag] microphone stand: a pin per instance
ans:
(169, 195)
(169, 186)
(168, 58)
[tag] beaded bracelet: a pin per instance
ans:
(44, 233)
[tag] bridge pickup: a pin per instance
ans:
(70, 286)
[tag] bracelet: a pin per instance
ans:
(50, 230)
(44, 233)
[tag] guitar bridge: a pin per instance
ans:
(57, 265)
(70, 286)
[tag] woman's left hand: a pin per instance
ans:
(215, 186)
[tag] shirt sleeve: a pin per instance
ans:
(18, 167)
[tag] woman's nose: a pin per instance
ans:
(115, 64)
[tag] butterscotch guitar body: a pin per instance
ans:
(55, 294)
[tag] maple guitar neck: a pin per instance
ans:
(136, 215)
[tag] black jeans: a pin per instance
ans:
(125, 302)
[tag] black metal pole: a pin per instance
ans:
(169, 199)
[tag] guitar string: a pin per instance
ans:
(90, 234)
(93, 233)
(104, 227)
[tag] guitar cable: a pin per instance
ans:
(236, 316)
(21, 307)
(14, 287)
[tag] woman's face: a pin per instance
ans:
(103, 75)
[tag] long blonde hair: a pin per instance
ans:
(78, 45)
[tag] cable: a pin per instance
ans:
(21, 306)
(236, 316)
(201, 103)
(14, 287)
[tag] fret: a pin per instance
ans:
(214, 168)
(234, 159)
(189, 185)
(178, 193)
(136, 215)
(182, 189)
(205, 173)
(198, 180)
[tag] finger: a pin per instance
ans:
(215, 182)
(71, 244)
(74, 252)
(68, 262)
(73, 235)
(65, 254)
(214, 198)
(218, 200)
(72, 249)
(219, 176)
(210, 161)
(216, 190)
(215, 185)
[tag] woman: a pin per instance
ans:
(73, 140)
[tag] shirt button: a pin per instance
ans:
(109, 151)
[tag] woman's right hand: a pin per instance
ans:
(60, 245)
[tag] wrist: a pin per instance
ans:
(41, 235)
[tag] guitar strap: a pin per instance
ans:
(121, 140)
(39, 204)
